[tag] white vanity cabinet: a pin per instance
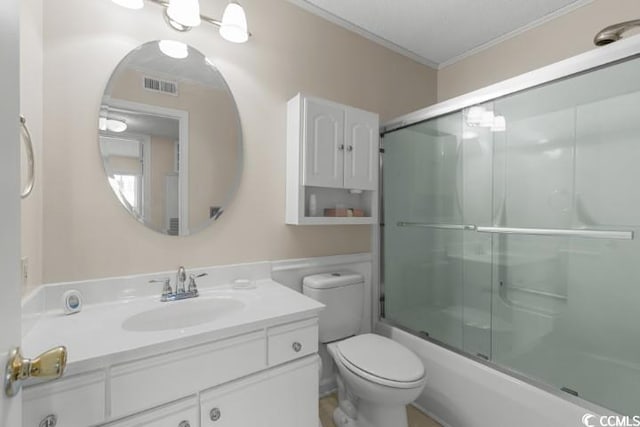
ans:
(265, 377)
(332, 162)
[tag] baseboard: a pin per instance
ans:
(328, 387)
(433, 417)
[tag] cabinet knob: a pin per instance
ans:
(184, 423)
(49, 421)
(341, 147)
(296, 346)
(215, 414)
(350, 148)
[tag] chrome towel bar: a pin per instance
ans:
(583, 233)
(26, 137)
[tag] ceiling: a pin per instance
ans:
(439, 32)
(195, 68)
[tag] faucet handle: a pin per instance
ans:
(166, 289)
(192, 282)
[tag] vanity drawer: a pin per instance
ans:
(155, 380)
(75, 401)
(292, 341)
(184, 413)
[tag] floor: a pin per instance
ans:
(329, 403)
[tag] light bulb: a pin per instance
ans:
(499, 124)
(234, 24)
(130, 4)
(184, 12)
(173, 49)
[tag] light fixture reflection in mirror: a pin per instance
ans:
(173, 49)
(178, 163)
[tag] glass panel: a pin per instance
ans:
(422, 274)
(558, 309)
(565, 310)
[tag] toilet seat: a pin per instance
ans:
(381, 361)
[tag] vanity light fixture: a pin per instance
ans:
(183, 15)
(184, 12)
(174, 49)
(234, 24)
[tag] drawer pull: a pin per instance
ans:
(296, 346)
(49, 421)
(184, 423)
(215, 414)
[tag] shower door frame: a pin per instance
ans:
(601, 57)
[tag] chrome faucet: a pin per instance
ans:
(181, 277)
(180, 293)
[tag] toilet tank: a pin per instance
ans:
(343, 295)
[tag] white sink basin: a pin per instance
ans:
(183, 314)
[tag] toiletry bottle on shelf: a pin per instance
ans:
(313, 205)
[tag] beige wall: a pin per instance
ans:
(563, 37)
(87, 234)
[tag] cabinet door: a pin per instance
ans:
(323, 164)
(361, 156)
(77, 400)
(282, 397)
(179, 414)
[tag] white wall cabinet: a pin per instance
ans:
(332, 157)
(267, 378)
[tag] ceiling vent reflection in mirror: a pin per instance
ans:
(183, 15)
(160, 86)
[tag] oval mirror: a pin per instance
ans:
(170, 138)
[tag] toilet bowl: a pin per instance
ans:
(382, 375)
(377, 377)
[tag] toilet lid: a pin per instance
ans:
(382, 358)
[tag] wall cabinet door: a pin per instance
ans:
(361, 154)
(323, 164)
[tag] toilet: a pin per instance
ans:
(377, 377)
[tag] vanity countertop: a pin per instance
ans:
(98, 337)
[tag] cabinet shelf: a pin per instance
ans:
(332, 159)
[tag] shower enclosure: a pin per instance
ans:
(511, 227)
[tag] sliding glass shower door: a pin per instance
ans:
(511, 233)
(435, 186)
